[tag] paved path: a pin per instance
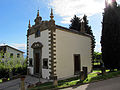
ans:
(15, 84)
(110, 84)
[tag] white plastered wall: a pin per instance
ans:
(14, 52)
(45, 50)
(68, 44)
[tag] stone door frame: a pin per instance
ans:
(37, 48)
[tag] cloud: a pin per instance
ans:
(66, 20)
(98, 47)
(19, 46)
(68, 8)
(2, 44)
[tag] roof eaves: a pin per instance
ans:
(14, 48)
(73, 31)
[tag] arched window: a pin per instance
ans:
(37, 34)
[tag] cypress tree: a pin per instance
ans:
(89, 31)
(110, 39)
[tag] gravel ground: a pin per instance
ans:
(15, 84)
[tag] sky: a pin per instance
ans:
(15, 15)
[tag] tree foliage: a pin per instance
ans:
(75, 23)
(10, 63)
(110, 39)
(89, 31)
(14, 65)
(97, 56)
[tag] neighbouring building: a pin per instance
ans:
(53, 50)
(10, 52)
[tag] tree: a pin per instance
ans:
(10, 66)
(75, 23)
(89, 31)
(97, 57)
(110, 39)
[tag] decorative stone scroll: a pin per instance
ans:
(37, 45)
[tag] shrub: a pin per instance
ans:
(4, 73)
(14, 65)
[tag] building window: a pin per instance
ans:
(11, 55)
(18, 55)
(30, 61)
(45, 63)
(37, 34)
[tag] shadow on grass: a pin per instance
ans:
(75, 82)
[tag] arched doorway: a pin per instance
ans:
(37, 56)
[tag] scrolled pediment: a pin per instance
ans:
(42, 26)
(37, 45)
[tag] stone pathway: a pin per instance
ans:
(15, 84)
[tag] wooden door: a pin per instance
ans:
(76, 63)
(37, 60)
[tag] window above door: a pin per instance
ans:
(37, 34)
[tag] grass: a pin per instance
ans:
(106, 76)
(61, 83)
(67, 82)
(87, 80)
(91, 75)
(43, 86)
(0, 80)
(96, 63)
(74, 81)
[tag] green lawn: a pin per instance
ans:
(106, 76)
(69, 82)
(96, 63)
(0, 80)
(87, 80)
(43, 86)
(92, 77)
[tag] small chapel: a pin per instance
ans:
(56, 51)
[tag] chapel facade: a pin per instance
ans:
(56, 51)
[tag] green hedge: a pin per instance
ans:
(4, 72)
